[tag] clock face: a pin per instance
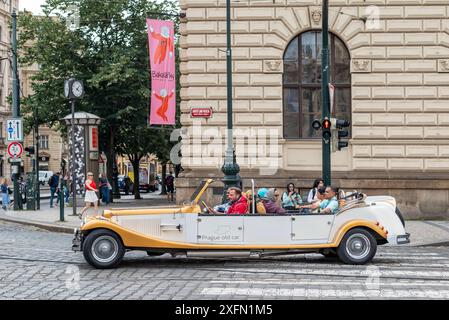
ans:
(77, 89)
(66, 89)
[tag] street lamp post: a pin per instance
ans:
(230, 168)
(325, 92)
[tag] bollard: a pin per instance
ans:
(61, 205)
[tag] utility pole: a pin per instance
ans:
(325, 93)
(36, 155)
(230, 168)
(15, 109)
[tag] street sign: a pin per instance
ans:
(14, 129)
(201, 113)
(15, 150)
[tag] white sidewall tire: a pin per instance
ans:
(103, 249)
(358, 246)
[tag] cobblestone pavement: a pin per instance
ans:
(36, 264)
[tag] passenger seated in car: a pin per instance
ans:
(260, 208)
(331, 206)
(290, 198)
(320, 199)
(313, 194)
(270, 204)
(223, 208)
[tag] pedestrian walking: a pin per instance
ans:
(54, 187)
(91, 196)
(6, 191)
(127, 183)
(170, 185)
(65, 189)
(104, 188)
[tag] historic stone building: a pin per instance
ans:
(391, 74)
(6, 9)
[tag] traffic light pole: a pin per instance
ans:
(15, 109)
(325, 93)
(36, 155)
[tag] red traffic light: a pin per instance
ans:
(327, 124)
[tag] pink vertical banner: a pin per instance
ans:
(163, 77)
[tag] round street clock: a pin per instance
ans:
(73, 89)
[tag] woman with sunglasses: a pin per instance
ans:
(91, 196)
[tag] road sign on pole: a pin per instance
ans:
(14, 128)
(15, 150)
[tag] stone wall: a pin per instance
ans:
(400, 81)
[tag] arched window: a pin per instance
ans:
(302, 83)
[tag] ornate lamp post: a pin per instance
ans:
(230, 167)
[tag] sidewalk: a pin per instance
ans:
(49, 218)
(423, 233)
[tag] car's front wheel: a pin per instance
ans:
(358, 246)
(103, 249)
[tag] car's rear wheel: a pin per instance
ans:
(103, 249)
(358, 246)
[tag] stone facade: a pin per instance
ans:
(6, 8)
(400, 92)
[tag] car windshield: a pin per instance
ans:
(197, 191)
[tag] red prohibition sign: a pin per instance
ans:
(15, 150)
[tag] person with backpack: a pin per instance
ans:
(170, 185)
(54, 187)
(313, 197)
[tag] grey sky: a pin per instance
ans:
(31, 5)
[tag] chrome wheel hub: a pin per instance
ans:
(105, 249)
(358, 246)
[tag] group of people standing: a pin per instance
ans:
(321, 199)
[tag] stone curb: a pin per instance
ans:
(41, 225)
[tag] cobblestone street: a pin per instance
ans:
(36, 264)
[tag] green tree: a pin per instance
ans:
(109, 51)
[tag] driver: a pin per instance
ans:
(331, 206)
(237, 201)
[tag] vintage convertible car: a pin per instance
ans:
(352, 234)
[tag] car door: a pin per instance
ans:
(311, 229)
(220, 229)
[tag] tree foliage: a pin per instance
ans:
(109, 52)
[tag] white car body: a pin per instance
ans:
(352, 233)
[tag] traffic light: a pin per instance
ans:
(343, 133)
(30, 151)
(327, 127)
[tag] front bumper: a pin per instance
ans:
(403, 239)
(77, 242)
